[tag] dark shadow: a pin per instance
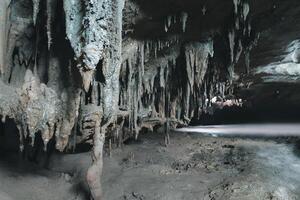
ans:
(81, 188)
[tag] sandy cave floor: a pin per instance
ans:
(190, 168)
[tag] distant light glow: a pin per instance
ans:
(266, 130)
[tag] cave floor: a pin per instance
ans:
(207, 168)
(190, 168)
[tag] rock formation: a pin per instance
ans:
(78, 71)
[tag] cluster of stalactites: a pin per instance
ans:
(144, 75)
(175, 19)
(240, 30)
(151, 92)
(37, 108)
(50, 10)
(160, 80)
(53, 106)
(197, 56)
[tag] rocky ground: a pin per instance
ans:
(190, 168)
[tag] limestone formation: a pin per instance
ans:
(79, 72)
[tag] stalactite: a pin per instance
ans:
(247, 61)
(246, 10)
(236, 4)
(127, 83)
(231, 37)
(169, 21)
(36, 9)
(50, 11)
(240, 31)
(4, 22)
(183, 19)
(154, 87)
(74, 18)
(197, 61)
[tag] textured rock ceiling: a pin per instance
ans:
(275, 22)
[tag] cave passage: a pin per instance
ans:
(136, 88)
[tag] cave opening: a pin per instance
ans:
(31, 151)
(9, 134)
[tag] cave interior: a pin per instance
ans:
(96, 77)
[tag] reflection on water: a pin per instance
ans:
(265, 130)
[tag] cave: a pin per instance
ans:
(149, 100)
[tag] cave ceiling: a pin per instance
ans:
(276, 25)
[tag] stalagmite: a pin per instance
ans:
(94, 172)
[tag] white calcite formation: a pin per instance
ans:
(241, 29)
